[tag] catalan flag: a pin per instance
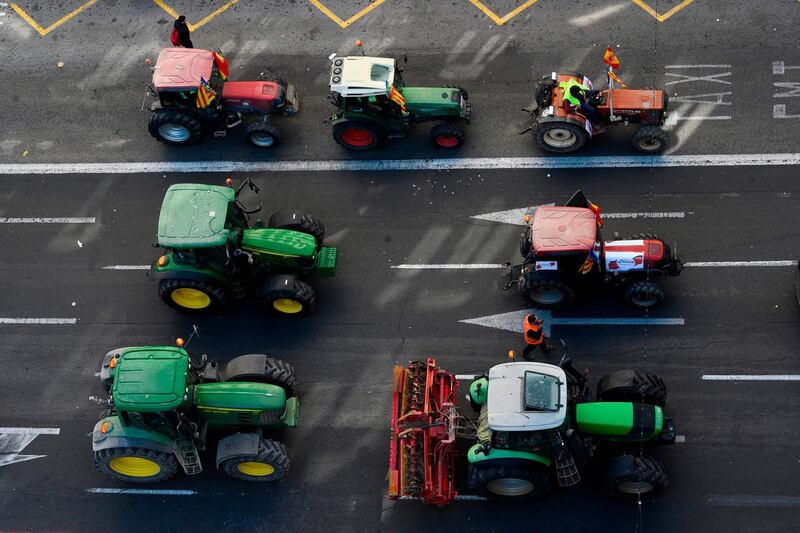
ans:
(205, 94)
(587, 265)
(610, 58)
(397, 98)
(597, 211)
(616, 79)
(221, 63)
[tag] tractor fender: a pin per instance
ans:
(119, 436)
(188, 273)
(497, 457)
(106, 372)
(237, 445)
(365, 119)
(572, 119)
(244, 364)
(280, 282)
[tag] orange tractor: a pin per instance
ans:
(562, 129)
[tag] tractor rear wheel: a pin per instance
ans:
(446, 135)
(262, 134)
(650, 139)
(644, 294)
(294, 300)
(632, 386)
(135, 465)
(629, 476)
(276, 372)
(357, 135)
(547, 293)
(297, 221)
(176, 128)
(560, 137)
(191, 296)
(531, 481)
(271, 463)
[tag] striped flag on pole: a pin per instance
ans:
(205, 94)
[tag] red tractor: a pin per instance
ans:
(177, 118)
(559, 129)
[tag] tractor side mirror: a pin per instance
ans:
(332, 57)
(405, 58)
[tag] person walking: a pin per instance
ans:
(534, 336)
(184, 34)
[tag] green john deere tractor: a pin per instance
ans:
(163, 402)
(374, 104)
(212, 254)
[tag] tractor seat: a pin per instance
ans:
(558, 229)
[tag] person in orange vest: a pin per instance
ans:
(533, 332)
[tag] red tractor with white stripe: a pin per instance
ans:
(563, 249)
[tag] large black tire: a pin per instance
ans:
(296, 220)
(446, 135)
(547, 293)
(511, 483)
(357, 135)
(185, 295)
(272, 456)
(650, 140)
(645, 236)
(294, 300)
(560, 137)
(111, 462)
(632, 386)
(276, 372)
(269, 75)
(175, 127)
(629, 476)
(262, 134)
(525, 243)
(644, 294)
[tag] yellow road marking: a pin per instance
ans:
(345, 23)
(171, 12)
(44, 31)
(510, 15)
(665, 16)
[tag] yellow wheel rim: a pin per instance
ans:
(190, 298)
(287, 305)
(252, 468)
(134, 466)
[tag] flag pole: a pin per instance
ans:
(610, 94)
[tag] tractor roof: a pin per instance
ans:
(193, 216)
(526, 397)
(150, 379)
(362, 76)
(563, 229)
(180, 69)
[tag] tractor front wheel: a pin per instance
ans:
(135, 465)
(510, 482)
(357, 135)
(262, 134)
(560, 137)
(650, 139)
(293, 300)
(175, 127)
(632, 386)
(547, 293)
(446, 135)
(276, 372)
(271, 463)
(629, 476)
(297, 221)
(644, 294)
(191, 296)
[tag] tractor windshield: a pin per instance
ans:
(541, 392)
(380, 73)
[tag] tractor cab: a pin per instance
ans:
(362, 85)
(526, 397)
(149, 379)
(177, 75)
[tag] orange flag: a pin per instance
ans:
(610, 58)
(616, 79)
(222, 64)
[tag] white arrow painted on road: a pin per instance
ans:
(514, 216)
(512, 321)
(14, 440)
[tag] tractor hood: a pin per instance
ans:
(150, 379)
(432, 101)
(526, 397)
(288, 243)
(244, 396)
(623, 420)
(193, 216)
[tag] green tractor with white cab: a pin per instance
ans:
(212, 254)
(373, 104)
(164, 402)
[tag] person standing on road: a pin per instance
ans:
(534, 336)
(184, 34)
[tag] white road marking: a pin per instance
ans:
(127, 267)
(744, 500)
(779, 111)
(30, 431)
(514, 216)
(40, 321)
(680, 439)
(512, 321)
(147, 492)
(466, 377)
(456, 163)
(712, 264)
(14, 440)
(676, 117)
(449, 266)
(458, 498)
(697, 66)
(751, 377)
(46, 220)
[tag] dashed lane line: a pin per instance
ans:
(751, 377)
(747, 500)
(717, 264)
(127, 267)
(39, 321)
(145, 492)
(394, 165)
(47, 220)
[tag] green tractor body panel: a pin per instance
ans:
(150, 379)
(620, 420)
(432, 101)
(193, 216)
(239, 403)
(326, 262)
(171, 266)
(278, 242)
(478, 391)
(117, 431)
(476, 455)
(291, 413)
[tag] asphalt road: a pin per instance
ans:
(738, 468)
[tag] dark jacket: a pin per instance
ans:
(183, 32)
